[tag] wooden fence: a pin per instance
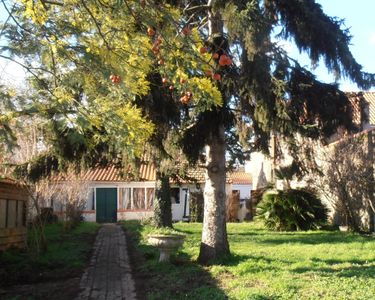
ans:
(13, 204)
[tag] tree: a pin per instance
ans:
(342, 172)
(349, 180)
(270, 89)
(219, 59)
(74, 71)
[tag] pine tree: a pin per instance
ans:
(271, 90)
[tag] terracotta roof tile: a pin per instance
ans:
(113, 174)
(147, 173)
(197, 173)
(356, 109)
(241, 177)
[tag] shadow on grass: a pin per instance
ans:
(182, 278)
(235, 259)
(357, 268)
(313, 238)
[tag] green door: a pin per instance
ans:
(106, 205)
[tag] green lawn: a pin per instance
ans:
(263, 265)
(66, 255)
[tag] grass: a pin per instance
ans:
(67, 253)
(262, 265)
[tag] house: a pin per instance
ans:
(13, 211)
(242, 184)
(112, 197)
(262, 167)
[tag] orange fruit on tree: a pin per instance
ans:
(164, 80)
(150, 31)
(215, 56)
(224, 60)
(182, 80)
(203, 50)
(216, 76)
(184, 99)
(161, 62)
(155, 49)
(186, 31)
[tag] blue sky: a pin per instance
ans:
(359, 16)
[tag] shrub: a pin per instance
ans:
(291, 210)
(73, 215)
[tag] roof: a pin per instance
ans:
(147, 173)
(112, 174)
(241, 177)
(356, 102)
(355, 135)
(370, 98)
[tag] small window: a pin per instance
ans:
(175, 195)
(93, 199)
(150, 194)
(138, 198)
(125, 198)
(90, 204)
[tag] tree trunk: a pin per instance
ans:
(162, 203)
(214, 235)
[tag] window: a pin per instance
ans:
(175, 195)
(150, 194)
(124, 198)
(90, 204)
(138, 198)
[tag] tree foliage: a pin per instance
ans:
(348, 181)
(73, 47)
(95, 64)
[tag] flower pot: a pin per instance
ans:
(167, 244)
(344, 228)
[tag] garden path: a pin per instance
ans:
(108, 276)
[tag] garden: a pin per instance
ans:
(263, 264)
(53, 274)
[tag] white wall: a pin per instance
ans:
(245, 190)
(260, 168)
(89, 216)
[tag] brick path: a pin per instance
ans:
(109, 275)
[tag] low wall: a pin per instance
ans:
(134, 215)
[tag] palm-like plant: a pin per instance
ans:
(291, 210)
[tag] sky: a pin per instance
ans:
(358, 15)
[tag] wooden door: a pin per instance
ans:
(106, 205)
